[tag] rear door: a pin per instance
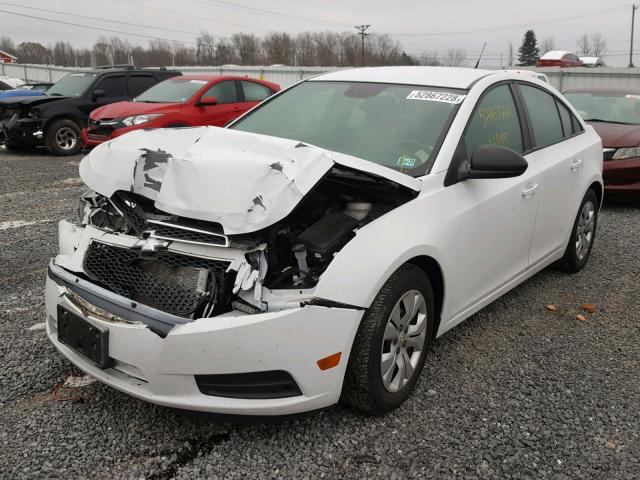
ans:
(253, 93)
(497, 216)
(558, 155)
(227, 108)
(139, 82)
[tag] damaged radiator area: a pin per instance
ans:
(289, 255)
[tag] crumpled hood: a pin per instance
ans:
(243, 181)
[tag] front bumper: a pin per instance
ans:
(25, 131)
(156, 355)
(622, 176)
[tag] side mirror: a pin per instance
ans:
(96, 94)
(207, 102)
(495, 161)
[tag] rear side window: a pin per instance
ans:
(254, 92)
(140, 83)
(225, 92)
(114, 87)
(544, 116)
(565, 117)
(495, 122)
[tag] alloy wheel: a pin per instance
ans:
(66, 138)
(403, 340)
(585, 230)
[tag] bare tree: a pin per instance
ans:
(510, 55)
(120, 50)
(584, 44)
(8, 45)
(598, 45)
(547, 45)
(278, 48)
(101, 52)
(430, 58)
(248, 47)
(205, 48)
(225, 52)
(33, 52)
(305, 46)
(455, 57)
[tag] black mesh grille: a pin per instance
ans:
(134, 210)
(165, 281)
(168, 231)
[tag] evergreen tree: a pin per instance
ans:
(529, 52)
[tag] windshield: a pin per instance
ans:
(73, 85)
(607, 107)
(175, 90)
(398, 126)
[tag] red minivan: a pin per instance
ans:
(187, 101)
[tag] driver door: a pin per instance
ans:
(497, 216)
(227, 108)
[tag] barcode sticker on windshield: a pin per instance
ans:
(435, 96)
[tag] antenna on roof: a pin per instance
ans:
(480, 56)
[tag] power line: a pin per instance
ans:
(58, 12)
(186, 15)
(510, 27)
(268, 13)
(95, 28)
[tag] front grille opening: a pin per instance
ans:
(178, 284)
(254, 385)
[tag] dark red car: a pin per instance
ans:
(559, 58)
(187, 101)
(615, 115)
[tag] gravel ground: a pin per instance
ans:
(515, 392)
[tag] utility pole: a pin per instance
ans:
(361, 31)
(634, 7)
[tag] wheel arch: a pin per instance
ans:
(599, 191)
(77, 119)
(433, 270)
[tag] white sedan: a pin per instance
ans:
(313, 250)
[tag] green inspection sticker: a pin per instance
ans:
(406, 162)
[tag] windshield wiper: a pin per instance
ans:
(55, 94)
(602, 120)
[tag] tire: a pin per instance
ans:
(63, 138)
(583, 234)
(364, 387)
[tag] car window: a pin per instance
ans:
(565, 117)
(254, 92)
(225, 92)
(113, 87)
(140, 83)
(398, 126)
(545, 120)
(495, 122)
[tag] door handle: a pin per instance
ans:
(576, 164)
(530, 191)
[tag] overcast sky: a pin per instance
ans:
(418, 24)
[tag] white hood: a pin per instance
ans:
(243, 181)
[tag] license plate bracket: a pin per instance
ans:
(89, 340)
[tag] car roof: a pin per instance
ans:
(451, 77)
(555, 54)
(99, 71)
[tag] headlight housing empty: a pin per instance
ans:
(140, 119)
(628, 152)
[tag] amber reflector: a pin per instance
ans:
(329, 362)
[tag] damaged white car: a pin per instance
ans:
(313, 249)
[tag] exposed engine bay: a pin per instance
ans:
(291, 254)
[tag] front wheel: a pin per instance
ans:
(390, 347)
(582, 235)
(63, 138)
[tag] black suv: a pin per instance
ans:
(56, 118)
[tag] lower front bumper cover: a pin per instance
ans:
(163, 370)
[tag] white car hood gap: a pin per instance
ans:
(243, 181)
